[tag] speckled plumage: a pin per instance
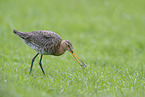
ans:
(44, 42)
(47, 43)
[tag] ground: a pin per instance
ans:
(108, 35)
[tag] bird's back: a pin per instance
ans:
(44, 42)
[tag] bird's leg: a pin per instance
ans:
(33, 61)
(41, 64)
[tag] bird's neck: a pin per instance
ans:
(61, 50)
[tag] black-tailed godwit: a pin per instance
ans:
(47, 43)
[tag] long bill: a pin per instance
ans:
(78, 59)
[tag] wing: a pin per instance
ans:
(45, 41)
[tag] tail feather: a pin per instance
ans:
(16, 32)
(21, 34)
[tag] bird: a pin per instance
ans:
(47, 43)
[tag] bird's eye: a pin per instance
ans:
(68, 45)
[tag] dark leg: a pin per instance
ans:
(41, 64)
(32, 62)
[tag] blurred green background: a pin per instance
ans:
(108, 35)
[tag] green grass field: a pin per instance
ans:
(108, 35)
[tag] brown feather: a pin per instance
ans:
(44, 42)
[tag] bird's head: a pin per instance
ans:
(67, 45)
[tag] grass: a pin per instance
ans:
(108, 35)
